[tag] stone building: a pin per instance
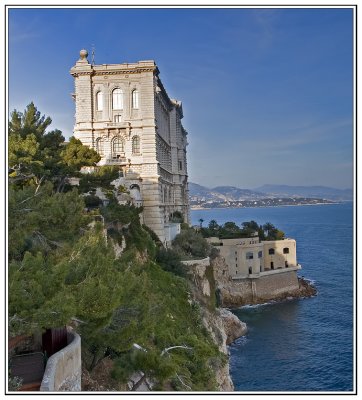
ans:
(252, 258)
(124, 112)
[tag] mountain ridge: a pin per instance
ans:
(233, 193)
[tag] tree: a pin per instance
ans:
(230, 230)
(201, 221)
(214, 227)
(190, 243)
(268, 227)
(36, 155)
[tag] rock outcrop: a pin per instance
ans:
(233, 327)
(223, 326)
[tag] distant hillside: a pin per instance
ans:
(222, 193)
(231, 193)
(307, 191)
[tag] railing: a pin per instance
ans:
(117, 161)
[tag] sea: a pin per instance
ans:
(303, 345)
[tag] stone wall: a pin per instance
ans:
(63, 370)
(238, 292)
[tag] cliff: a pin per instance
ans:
(223, 326)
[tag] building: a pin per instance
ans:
(252, 258)
(125, 114)
(254, 271)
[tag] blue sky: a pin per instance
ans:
(267, 93)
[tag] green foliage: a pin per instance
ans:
(101, 177)
(36, 155)
(170, 261)
(248, 229)
(62, 268)
(189, 243)
(76, 156)
(34, 215)
(92, 201)
(37, 298)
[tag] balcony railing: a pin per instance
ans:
(117, 161)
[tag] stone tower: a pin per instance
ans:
(123, 111)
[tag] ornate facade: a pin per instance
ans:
(124, 112)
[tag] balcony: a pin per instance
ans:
(119, 160)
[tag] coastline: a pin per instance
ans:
(196, 208)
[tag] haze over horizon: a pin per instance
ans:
(267, 93)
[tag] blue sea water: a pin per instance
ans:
(306, 344)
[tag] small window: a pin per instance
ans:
(180, 165)
(286, 264)
(236, 253)
(117, 99)
(286, 250)
(99, 101)
(249, 255)
(135, 98)
(118, 118)
(272, 265)
(260, 254)
(136, 145)
(250, 270)
(117, 146)
(271, 251)
(99, 146)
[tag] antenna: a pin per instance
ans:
(93, 53)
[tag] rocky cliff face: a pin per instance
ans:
(222, 324)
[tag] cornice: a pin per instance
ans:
(122, 71)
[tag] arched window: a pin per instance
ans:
(271, 251)
(286, 250)
(117, 99)
(135, 98)
(99, 146)
(260, 254)
(249, 255)
(117, 146)
(136, 145)
(99, 101)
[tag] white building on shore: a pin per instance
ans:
(252, 258)
(125, 114)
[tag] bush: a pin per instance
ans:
(190, 243)
(170, 261)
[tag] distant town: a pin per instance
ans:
(201, 197)
(268, 202)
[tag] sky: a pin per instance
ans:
(267, 93)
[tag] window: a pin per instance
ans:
(271, 251)
(250, 270)
(286, 250)
(249, 255)
(136, 145)
(99, 101)
(99, 146)
(135, 98)
(286, 264)
(272, 265)
(118, 118)
(260, 254)
(117, 99)
(180, 165)
(117, 146)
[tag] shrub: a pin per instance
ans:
(190, 243)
